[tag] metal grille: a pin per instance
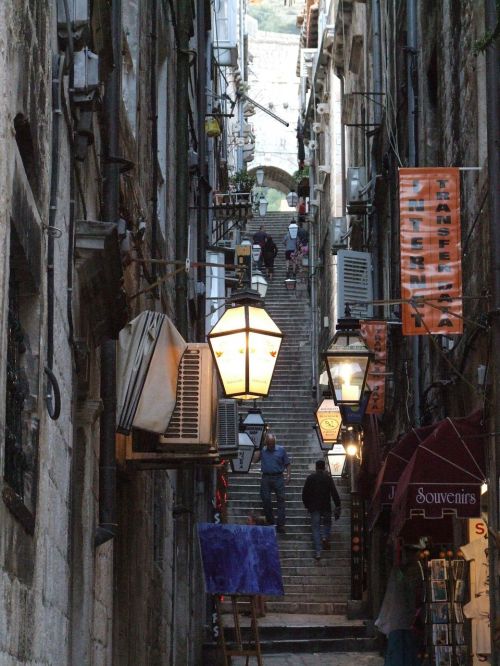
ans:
(185, 418)
(227, 413)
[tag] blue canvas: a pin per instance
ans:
(240, 559)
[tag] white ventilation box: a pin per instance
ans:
(355, 283)
(228, 428)
(194, 417)
(338, 234)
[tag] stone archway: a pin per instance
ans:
(276, 178)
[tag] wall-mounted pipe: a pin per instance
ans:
(53, 394)
(106, 529)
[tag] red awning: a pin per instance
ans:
(444, 475)
(392, 468)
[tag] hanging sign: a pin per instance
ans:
(374, 334)
(431, 271)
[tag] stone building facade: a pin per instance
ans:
(104, 167)
(414, 92)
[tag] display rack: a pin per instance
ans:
(445, 595)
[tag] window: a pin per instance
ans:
(21, 401)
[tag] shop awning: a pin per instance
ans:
(392, 468)
(444, 475)
(149, 353)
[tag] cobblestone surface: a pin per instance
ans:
(318, 659)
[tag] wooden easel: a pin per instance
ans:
(252, 648)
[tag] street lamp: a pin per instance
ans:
(259, 283)
(246, 450)
(347, 361)
(256, 252)
(293, 229)
(292, 199)
(245, 343)
(259, 176)
(351, 440)
(262, 205)
(290, 284)
(336, 459)
(329, 420)
(255, 426)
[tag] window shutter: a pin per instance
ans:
(354, 283)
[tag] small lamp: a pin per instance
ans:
(351, 440)
(259, 283)
(262, 206)
(290, 284)
(292, 199)
(347, 361)
(246, 450)
(255, 426)
(256, 252)
(245, 343)
(293, 229)
(336, 459)
(259, 176)
(329, 420)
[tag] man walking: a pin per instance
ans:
(317, 493)
(275, 467)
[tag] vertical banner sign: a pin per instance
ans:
(431, 270)
(374, 334)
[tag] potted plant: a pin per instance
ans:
(242, 181)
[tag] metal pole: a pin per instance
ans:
(493, 124)
(411, 25)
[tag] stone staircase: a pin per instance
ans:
(311, 587)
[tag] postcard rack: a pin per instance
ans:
(445, 590)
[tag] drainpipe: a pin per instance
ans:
(153, 85)
(377, 116)
(342, 148)
(493, 124)
(411, 26)
(53, 394)
(183, 17)
(111, 190)
(202, 213)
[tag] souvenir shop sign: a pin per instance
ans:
(444, 475)
(431, 270)
(374, 334)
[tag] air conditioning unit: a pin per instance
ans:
(338, 234)
(323, 108)
(194, 416)
(357, 199)
(227, 428)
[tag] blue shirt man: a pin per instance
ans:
(276, 471)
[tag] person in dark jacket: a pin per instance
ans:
(317, 493)
(269, 253)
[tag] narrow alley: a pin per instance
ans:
(249, 247)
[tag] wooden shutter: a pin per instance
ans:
(354, 283)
